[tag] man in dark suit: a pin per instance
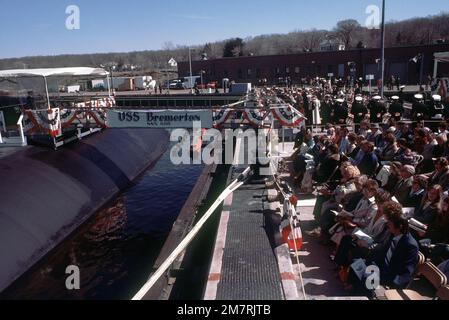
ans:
(417, 192)
(308, 107)
(341, 111)
(375, 136)
(369, 162)
(327, 110)
(404, 186)
(398, 259)
(441, 174)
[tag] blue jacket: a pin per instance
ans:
(368, 164)
(399, 273)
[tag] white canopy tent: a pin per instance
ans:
(54, 72)
(440, 57)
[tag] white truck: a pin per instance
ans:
(240, 88)
(144, 83)
(189, 82)
(126, 83)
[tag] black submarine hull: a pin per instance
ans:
(45, 195)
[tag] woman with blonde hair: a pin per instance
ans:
(349, 174)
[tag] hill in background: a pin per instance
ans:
(416, 31)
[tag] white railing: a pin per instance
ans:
(13, 141)
(20, 125)
(191, 235)
(3, 125)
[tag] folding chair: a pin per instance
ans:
(431, 274)
(443, 293)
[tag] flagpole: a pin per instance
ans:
(382, 50)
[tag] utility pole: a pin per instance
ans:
(421, 70)
(382, 67)
(112, 78)
(190, 64)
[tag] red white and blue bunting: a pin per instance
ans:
(287, 115)
(43, 121)
(221, 116)
(99, 116)
(52, 121)
(98, 103)
(255, 116)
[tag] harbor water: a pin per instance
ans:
(116, 249)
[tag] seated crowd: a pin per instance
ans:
(382, 196)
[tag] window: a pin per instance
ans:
(278, 70)
(297, 70)
(249, 73)
(258, 72)
(240, 74)
(341, 70)
(287, 70)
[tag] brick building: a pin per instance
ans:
(398, 62)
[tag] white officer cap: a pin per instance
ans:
(377, 97)
(394, 98)
(419, 96)
(340, 100)
(358, 99)
(436, 97)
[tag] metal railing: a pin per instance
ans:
(20, 125)
(191, 235)
(23, 140)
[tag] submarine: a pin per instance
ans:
(45, 195)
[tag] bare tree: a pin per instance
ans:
(346, 29)
(311, 39)
(425, 30)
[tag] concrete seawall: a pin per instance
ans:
(45, 195)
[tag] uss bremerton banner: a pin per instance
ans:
(158, 119)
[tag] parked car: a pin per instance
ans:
(174, 84)
(210, 85)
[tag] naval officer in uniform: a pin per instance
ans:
(327, 110)
(341, 111)
(377, 109)
(419, 109)
(359, 110)
(396, 108)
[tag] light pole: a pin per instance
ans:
(421, 70)
(112, 79)
(168, 82)
(382, 67)
(201, 76)
(190, 65)
(110, 67)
